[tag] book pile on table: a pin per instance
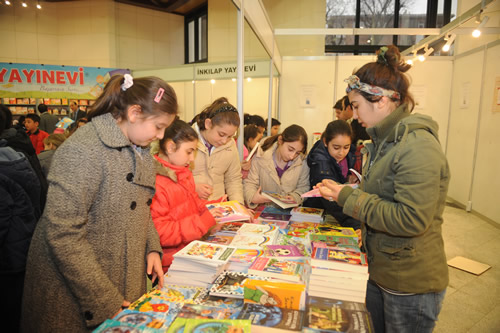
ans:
(307, 214)
(199, 263)
(309, 276)
(338, 267)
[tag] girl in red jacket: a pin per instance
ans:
(179, 215)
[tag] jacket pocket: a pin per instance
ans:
(396, 248)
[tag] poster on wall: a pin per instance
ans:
(47, 81)
(307, 96)
(496, 96)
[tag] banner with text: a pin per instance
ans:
(40, 81)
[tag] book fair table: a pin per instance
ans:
(290, 270)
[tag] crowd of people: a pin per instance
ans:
(101, 211)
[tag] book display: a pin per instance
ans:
(308, 276)
(56, 106)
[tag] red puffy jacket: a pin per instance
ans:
(179, 215)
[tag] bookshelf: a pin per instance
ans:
(56, 106)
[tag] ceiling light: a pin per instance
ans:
(428, 52)
(409, 62)
(24, 4)
(38, 5)
(212, 81)
(7, 2)
(249, 79)
(477, 32)
(449, 40)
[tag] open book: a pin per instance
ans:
(281, 200)
(254, 150)
(357, 174)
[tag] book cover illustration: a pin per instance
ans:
(228, 211)
(220, 238)
(283, 225)
(200, 311)
(216, 326)
(251, 241)
(177, 326)
(332, 241)
(115, 326)
(300, 230)
(331, 315)
(272, 316)
(303, 244)
(284, 201)
(339, 259)
(258, 229)
(245, 256)
(273, 293)
(156, 320)
(274, 217)
(206, 252)
(229, 227)
(282, 251)
(163, 312)
(179, 293)
(230, 284)
(331, 230)
(222, 302)
(308, 211)
(279, 268)
(276, 210)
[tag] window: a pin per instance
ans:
(383, 14)
(196, 36)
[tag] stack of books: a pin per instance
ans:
(308, 214)
(273, 215)
(284, 295)
(339, 269)
(199, 263)
(272, 318)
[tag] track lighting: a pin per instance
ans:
(7, 2)
(449, 40)
(427, 53)
(38, 5)
(477, 32)
(24, 4)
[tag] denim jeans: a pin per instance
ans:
(403, 314)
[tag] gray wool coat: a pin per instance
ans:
(89, 250)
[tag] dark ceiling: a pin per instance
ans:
(179, 7)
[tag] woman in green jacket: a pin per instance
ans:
(400, 201)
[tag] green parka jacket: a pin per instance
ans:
(400, 203)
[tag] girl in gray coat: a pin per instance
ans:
(96, 241)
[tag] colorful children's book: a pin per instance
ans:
(207, 312)
(207, 253)
(251, 241)
(223, 302)
(332, 315)
(281, 200)
(285, 251)
(272, 318)
(229, 227)
(228, 211)
(335, 231)
(220, 238)
(307, 214)
(301, 229)
(180, 293)
(242, 259)
(283, 225)
(332, 241)
(344, 260)
(229, 284)
(163, 312)
(273, 293)
(257, 229)
(110, 325)
(274, 217)
(214, 325)
(303, 244)
(177, 326)
(278, 268)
